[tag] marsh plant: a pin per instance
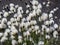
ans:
(29, 27)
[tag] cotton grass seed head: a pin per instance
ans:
(28, 26)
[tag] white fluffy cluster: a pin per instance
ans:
(27, 26)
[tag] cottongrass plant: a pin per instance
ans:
(32, 27)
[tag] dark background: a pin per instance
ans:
(54, 3)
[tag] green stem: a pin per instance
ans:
(45, 38)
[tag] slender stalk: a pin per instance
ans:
(44, 37)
